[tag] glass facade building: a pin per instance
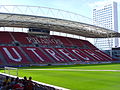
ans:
(106, 16)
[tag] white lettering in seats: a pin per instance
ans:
(66, 54)
(52, 53)
(11, 57)
(33, 50)
(93, 54)
(77, 52)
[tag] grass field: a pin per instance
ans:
(75, 77)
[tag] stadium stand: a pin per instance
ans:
(89, 45)
(13, 55)
(67, 54)
(53, 54)
(15, 83)
(5, 38)
(80, 54)
(36, 55)
(21, 37)
(44, 40)
(95, 55)
(25, 48)
(64, 40)
(76, 42)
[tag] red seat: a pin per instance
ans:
(13, 55)
(83, 56)
(104, 55)
(1, 62)
(36, 55)
(95, 55)
(5, 38)
(89, 44)
(76, 42)
(70, 57)
(56, 56)
(23, 38)
(45, 55)
(64, 40)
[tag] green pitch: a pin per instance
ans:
(77, 77)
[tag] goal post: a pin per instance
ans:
(11, 71)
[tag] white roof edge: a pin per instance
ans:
(53, 24)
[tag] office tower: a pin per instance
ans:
(106, 16)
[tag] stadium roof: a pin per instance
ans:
(55, 24)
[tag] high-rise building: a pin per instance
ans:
(106, 16)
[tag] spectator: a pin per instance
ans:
(22, 84)
(4, 86)
(25, 82)
(30, 85)
(7, 80)
(19, 85)
(12, 83)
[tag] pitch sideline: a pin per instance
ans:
(73, 70)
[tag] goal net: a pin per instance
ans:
(11, 71)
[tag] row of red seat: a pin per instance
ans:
(15, 55)
(25, 38)
(5, 38)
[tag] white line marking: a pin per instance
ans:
(73, 70)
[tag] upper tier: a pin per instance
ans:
(21, 38)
